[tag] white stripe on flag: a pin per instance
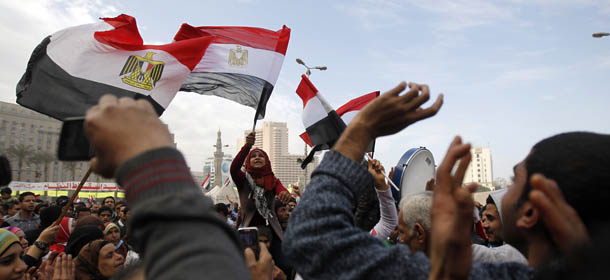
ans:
(75, 50)
(262, 64)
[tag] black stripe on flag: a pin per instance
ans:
(244, 89)
(48, 89)
(326, 130)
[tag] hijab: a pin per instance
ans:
(80, 237)
(7, 239)
(264, 172)
(63, 235)
(86, 264)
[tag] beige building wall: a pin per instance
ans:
(480, 169)
(40, 134)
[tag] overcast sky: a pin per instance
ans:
(513, 72)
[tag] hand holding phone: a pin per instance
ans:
(249, 239)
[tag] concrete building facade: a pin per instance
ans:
(480, 169)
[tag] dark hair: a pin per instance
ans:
(221, 208)
(292, 199)
(120, 202)
(49, 215)
(61, 201)
(23, 195)
(125, 210)
(39, 206)
(580, 164)
(11, 204)
(265, 231)
(279, 204)
(6, 190)
(82, 209)
(6, 175)
(490, 200)
(105, 209)
(111, 197)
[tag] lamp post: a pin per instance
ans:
(321, 68)
(600, 34)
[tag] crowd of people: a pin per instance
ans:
(549, 224)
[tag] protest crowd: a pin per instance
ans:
(551, 223)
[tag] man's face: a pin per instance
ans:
(117, 208)
(283, 214)
(291, 205)
(13, 210)
(406, 236)
(105, 216)
(109, 202)
(509, 206)
(29, 203)
(492, 224)
(6, 196)
(96, 206)
(264, 239)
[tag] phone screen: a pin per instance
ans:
(73, 143)
(249, 238)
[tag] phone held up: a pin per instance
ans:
(73, 143)
(249, 239)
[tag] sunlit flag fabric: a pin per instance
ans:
(348, 111)
(242, 64)
(71, 69)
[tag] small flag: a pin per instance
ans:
(348, 111)
(206, 182)
(72, 68)
(227, 181)
(242, 64)
(322, 123)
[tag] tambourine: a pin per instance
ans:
(414, 169)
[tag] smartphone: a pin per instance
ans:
(249, 238)
(73, 143)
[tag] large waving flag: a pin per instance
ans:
(242, 64)
(71, 69)
(321, 121)
(348, 111)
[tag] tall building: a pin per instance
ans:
(32, 138)
(273, 139)
(480, 169)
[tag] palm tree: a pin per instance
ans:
(43, 158)
(22, 153)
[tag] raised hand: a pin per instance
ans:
(561, 220)
(451, 213)
(120, 129)
(284, 196)
(250, 138)
(377, 170)
(296, 190)
(262, 268)
(387, 114)
(63, 267)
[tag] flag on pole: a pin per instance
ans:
(72, 68)
(227, 181)
(206, 182)
(321, 121)
(348, 111)
(242, 64)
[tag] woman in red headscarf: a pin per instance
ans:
(257, 187)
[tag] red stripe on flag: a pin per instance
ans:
(125, 36)
(205, 181)
(357, 103)
(276, 41)
(305, 138)
(306, 90)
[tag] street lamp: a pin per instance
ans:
(321, 68)
(600, 34)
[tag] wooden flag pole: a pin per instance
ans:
(64, 211)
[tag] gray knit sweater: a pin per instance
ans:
(174, 224)
(322, 241)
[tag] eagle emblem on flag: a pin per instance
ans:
(238, 57)
(142, 72)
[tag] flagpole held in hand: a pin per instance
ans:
(386, 176)
(64, 211)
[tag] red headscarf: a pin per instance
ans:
(262, 172)
(65, 229)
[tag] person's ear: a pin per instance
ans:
(528, 216)
(420, 233)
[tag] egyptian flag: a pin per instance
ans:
(71, 69)
(321, 121)
(206, 183)
(348, 111)
(242, 64)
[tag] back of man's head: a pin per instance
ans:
(415, 208)
(6, 190)
(580, 164)
(221, 208)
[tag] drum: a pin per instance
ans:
(414, 169)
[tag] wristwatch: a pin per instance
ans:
(43, 246)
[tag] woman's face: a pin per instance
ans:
(113, 235)
(11, 265)
(110, 262)
(257, 160)
(24, 242)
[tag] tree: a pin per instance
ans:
(22, 152)
(43, 158)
